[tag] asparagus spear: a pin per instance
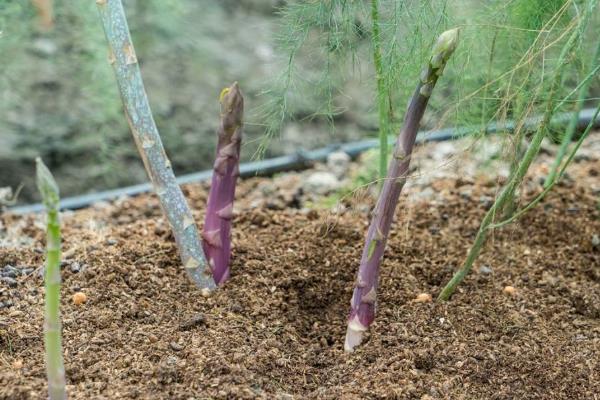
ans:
(137, 110)
(362, 311)
(216, 234)
(52, 327)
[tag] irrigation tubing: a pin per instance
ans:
(303, 159)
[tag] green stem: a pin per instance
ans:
(484, 116)
(568, 137)
(52, 326)
(381, 92)
(507, 193)
(555, 179)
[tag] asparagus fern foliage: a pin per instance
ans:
(216, 234)
(515, 180)
(362, 312)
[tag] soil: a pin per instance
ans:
(276, 329)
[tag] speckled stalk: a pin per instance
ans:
(52, 327)
(139, 116)
(216, 235)
(363, 301)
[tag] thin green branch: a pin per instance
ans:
(554, 180)
(382, 95)
(507, 193)
(568, 137)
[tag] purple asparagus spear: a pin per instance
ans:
(363, 301)
(216, 235)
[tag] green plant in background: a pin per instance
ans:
(556, 178)
(123, 58)
(339, 34)
(335, 36)
(45, 12)
(532, 19)
(571, 128)
(52, 327)
(58, 100)
(382, 95)
(508, 191)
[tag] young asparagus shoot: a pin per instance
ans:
(137, 110)
(52, 327)
(216, 235)
(362, 312)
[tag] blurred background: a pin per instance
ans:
(305, 68)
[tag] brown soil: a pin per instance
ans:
(275, 330)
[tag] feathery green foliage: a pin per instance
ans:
(337, 37)
(515, 180)
(570, 131)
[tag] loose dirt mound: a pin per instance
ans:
(275, 330)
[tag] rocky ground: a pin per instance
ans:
(344, 183)
(275, 330)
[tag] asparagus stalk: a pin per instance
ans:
(52, 327)
(216, 235)
(362, 311)
(139, 116)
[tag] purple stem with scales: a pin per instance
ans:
(363, 303)
(216, 235)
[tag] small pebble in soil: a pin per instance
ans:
(596, 240)
(6, 304)
(423, 298)
(509, 290)
(484, 269)
(487, 201)
(338, 162)
(175, 346)
(75, 267)
(10, 282)
(79, 298)
(196, 320)
(321, 183)
(9, 271)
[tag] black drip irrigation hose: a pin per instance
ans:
(303, 159)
